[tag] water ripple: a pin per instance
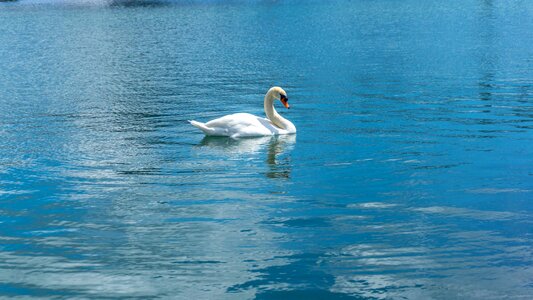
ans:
(410, 175)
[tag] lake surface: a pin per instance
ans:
(411, 175)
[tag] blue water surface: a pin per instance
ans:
(410, 177)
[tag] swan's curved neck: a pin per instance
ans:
(272, 114)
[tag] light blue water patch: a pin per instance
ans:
(410, 175)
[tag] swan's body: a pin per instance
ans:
(240, 125)
(247, 125)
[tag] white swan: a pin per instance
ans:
(247, 125)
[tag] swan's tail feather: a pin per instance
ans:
(202, 127)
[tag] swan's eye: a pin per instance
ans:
(283, 97)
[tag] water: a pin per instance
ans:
(410, 176)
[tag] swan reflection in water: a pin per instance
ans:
(277, 150)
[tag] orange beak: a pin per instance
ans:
(285, 101)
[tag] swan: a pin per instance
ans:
(247, 125)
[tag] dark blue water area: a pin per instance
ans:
(410, 176)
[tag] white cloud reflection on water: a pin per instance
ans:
(214, 233)
(398, 271)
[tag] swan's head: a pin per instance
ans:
(280, 94)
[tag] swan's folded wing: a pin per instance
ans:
(257, 127)
(241, 125)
